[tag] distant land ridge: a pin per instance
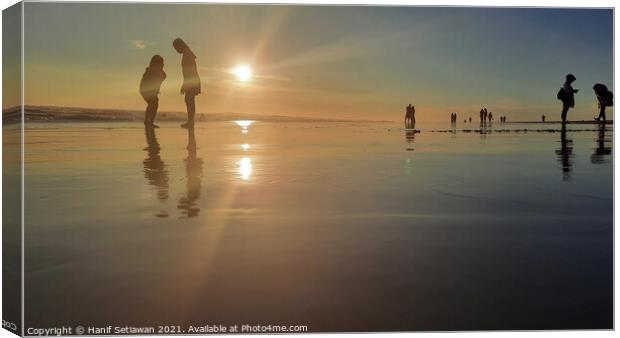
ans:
(68, 114)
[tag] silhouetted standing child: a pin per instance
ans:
(605, 99)
(191, 80)
(567, 95)
(151, 81)
(544, 118)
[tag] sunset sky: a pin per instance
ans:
(340, 62)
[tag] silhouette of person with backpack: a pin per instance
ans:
(605, 99)
(566, 94)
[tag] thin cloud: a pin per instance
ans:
(139, 44)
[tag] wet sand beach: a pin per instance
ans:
(337, 226)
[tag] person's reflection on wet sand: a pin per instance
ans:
(193, 170)
(599, 156)
(410, 137)
(565, 154)
(154, 167)
(483, 130)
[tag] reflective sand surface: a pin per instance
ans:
(338, 226)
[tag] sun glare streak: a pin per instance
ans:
(245, 146)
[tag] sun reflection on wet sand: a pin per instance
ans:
(244, 124)
(245, 168)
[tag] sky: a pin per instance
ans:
(360, 62)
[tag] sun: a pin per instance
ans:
(242, 72)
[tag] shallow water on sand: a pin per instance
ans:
(337, 226)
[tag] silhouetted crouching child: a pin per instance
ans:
(605, 99)
(151, 81)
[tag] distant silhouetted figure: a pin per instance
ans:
(470, 119)
(490, 116)
(481, 115)
(544, 118)
(191, 80)
(605, 99)
(409, 115)
(566, 94)
(151, 81)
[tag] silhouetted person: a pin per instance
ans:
(193, 170)
(154, 168)
(151, 81)
(470, 119)
(602, 150)
(481, 115)
(544, 118)
(565, 154)
(567, 95)
(605, 99)
(191, 80)
(490, 116)
(409, 115)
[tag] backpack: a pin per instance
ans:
(561, 94)
(609, 98)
